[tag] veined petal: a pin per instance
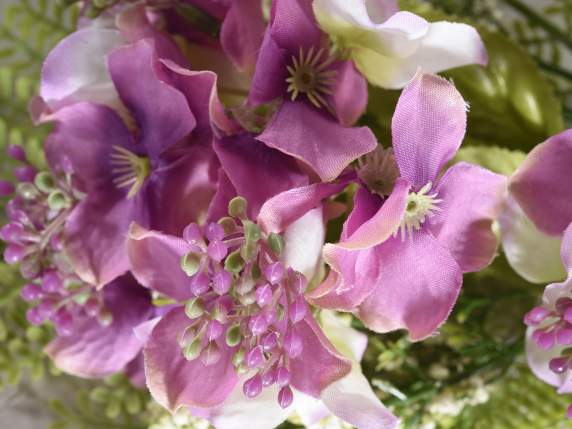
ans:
(541, 185)
(315, 138)
(156, 262)
(531, 253)
(427, 128)
(292, 25)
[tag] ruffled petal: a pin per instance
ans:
(428, 127)
(95, 235)
(313, 137)
(292, 25)
(156, 262)
(161, 111)
(349, 98)
(541, 185)
(270, 74)
(76, 69)
(417, 289)
(472, 199)
(319, 364)
(175, 382)
(256, 171)
(531, 253)
(93, 350)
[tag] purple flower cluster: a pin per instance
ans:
(179, 234)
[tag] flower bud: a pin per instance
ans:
(237, 207)
(194, 308)
(192, 350)
(276, 243)
(190, 263)
(233, 336)
(44, 182)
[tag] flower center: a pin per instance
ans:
(378, 170)
(130, 170)
(309, 75)
(419, 206)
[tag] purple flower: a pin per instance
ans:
(412, 232)
(321, 96)
(135, 171)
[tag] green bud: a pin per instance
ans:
(276, 243)
(228, 224)
(115, 379)
(233, 336)
(34, 333)
(193, 350)
(194, 308)
(82, 297)
(238, 357)
(234, 262)
(133, 403)
(190, 263)
(113, 409)
(57, 200)
(27, 191)
(44, 182)
(99, 395)
(249, 250)
(256, 273)
(251, 231)
(237, 207)
(280, 312)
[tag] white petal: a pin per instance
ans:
(310, 410)
(353, 400)
(534, 255)
(304, 239)
(538, 361)
(347, 340)
(77, 67)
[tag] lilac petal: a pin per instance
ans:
(93, 350)
(76, 68)
(225, 192)
(531, 253)
(256, 171)
(292, 25)
(427, 128)
(417, 288)
(85, 134)
(381, 10)
(366, 205)
(319, 364)
(95, 234)
(349, 98)
(242, 32)
(566, 252)
(352, 399)
(270, 74)
(135, 372)
(174, 381)
(472, 199)
(541, 184)
(305, 133)
(285, 208)
(161, 111)
(156, 262)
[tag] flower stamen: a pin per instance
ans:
(419, 206)
(130, 170)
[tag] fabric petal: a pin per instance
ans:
(270, 74)
(156, 262)
(175, 382)
(247, 161)
(538, 360)
(305, 133)
(292, 25)
(93, 350)
(76, 68)
(95, 234)
(303, 240)
(428, 127)
(319, 364)
(417, 288)
(566, 252)
(283, 209)
(472, 199)
(161, 111)
(541, 185)
(349, 98)
(531, 253)
(85, 134)
(242, 32)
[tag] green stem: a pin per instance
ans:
(534, 17)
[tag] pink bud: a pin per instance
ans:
(222, 281)
(285, 397)
(297, 309)
(293, 343)
(16, 152)
(14, 254)
(63, 322)
(26, 173)
(214, 330)
(558, 365)
(12, 232)
(269, 378)
(263, 294)
(269, 341)
(6, 188)
(31, 292)
(274, 272)
(51, 282)
(46, 309)
(282, 377)
(252, 387)
(192, 234)
(536, 316)
(543, 339)
(568, 315)
(217, 250)
(258, 324)
(199, 283)
(34, 316)
(92, 307)
(298, 283)
(564, 336)
(254, 358)
(214, 232)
